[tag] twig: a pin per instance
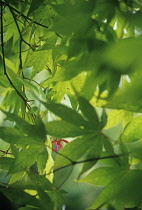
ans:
(20, 55)
(24, 16)
(87, 160)
(6, 152)
(57, 188)
(84, 161)
(4, 65)
(3, 58)
(34, 170)
(35, 82)
(13, 14)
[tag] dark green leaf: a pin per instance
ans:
(12, 135)
(5, 163)
(37, 132)
(61, 128)
(23, 198)
(45, 200)
(34, 5)
(66, 113)
(40, 180)
(89, 113)
(25, 159)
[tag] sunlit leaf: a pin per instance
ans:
(114, 118)
(125, 192)
(37, 60)
(133, 131)
(71, 71)
(101, 176)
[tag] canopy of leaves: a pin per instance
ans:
(71, 69)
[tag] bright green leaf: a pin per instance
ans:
(101, 176)
(133, 130)
(125, 189)
(37, 60)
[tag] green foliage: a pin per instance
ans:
(71, 69)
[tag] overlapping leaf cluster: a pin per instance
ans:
(71, 69)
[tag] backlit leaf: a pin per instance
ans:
(125, 192)
(133, 130)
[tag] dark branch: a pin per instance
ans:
(87, 160)
(30, 19)
(34, 82)
(20, 56)
(6, 152)
(4, 65)
(57, 188)
(24, 16)
(16, 23)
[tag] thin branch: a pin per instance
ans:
(69, 174)
(4, 64)
(58, 35)
(2, 42)
(36, 172)
(27, 49)
(20, 56)
(9, 23)
(3, 4)
(11, 83)
(72, 163)
(87, 160)
(99, 158)
(24, 16)
(35, 82)
(6, 152)
(15, 20)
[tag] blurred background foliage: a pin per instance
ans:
(71, 69)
